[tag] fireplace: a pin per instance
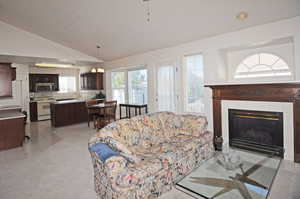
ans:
(260, 131)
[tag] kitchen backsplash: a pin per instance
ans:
(89, 94)
(60, 95)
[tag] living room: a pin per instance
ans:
(232, 67)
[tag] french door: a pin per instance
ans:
(165, 87)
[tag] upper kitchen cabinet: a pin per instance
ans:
(7, 75)
(92, 81)
(35, 79)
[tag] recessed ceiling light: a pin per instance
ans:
(242, 15)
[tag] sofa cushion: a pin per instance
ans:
(193, 125)
(103, 151)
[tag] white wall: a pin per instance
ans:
(212, 48)
(17, 42)
(20, 89)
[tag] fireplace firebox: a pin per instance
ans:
(260, 131)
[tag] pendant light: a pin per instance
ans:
(97, 70)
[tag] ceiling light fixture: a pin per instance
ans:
(52, 65)
(242, 15)
(148, 11)
(100, 70)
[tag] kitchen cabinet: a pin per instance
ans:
(12, 127)
(7, 75)
(33, 111)
(43, 78)
(92, 81)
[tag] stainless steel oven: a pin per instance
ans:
(44, 87)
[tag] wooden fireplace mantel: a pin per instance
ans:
(277, 92)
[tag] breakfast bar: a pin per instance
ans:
(68, 112)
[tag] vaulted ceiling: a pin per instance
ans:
(121, 27)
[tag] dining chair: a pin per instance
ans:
(92, 113)
(108, 114)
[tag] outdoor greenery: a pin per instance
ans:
(118, 79)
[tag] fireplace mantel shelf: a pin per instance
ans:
(259, 84)
(274, 92)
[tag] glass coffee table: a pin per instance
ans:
(252, 179)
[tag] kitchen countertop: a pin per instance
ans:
(2, 108)
(71, 101)
(7, 115)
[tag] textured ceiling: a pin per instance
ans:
(121, 28)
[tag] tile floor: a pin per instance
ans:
(56, 164)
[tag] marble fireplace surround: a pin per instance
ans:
(280, 97)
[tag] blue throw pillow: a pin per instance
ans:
(103, 151)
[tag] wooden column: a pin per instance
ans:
(297, 130)
(217, 115)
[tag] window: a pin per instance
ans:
(137, 86)
(67, 84)
(262, 65)
(118, 86)
(130, 86)
(194, 86)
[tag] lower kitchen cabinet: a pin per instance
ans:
(12, 133)
(63, 114)
(33, 111)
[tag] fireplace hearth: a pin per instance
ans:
(256, 130)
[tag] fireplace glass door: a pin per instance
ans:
(256, 130)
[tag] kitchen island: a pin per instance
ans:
(69, 112)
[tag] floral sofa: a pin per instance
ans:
(145, 154)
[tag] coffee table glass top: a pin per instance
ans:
(252, 180)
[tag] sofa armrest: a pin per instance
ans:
(107, 172)
(113, 141)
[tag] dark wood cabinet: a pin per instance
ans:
(14, 74)
(33, 111)
(7, 75)
(92, 81)
(63, 114)
(12, 133)
(43, 78)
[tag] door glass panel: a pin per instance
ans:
(137, 86)
(166, 88)
(118, 86)
(194, 84)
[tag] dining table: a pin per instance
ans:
(99, 109)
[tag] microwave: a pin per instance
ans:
(44, 87)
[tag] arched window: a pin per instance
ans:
(262, 65)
